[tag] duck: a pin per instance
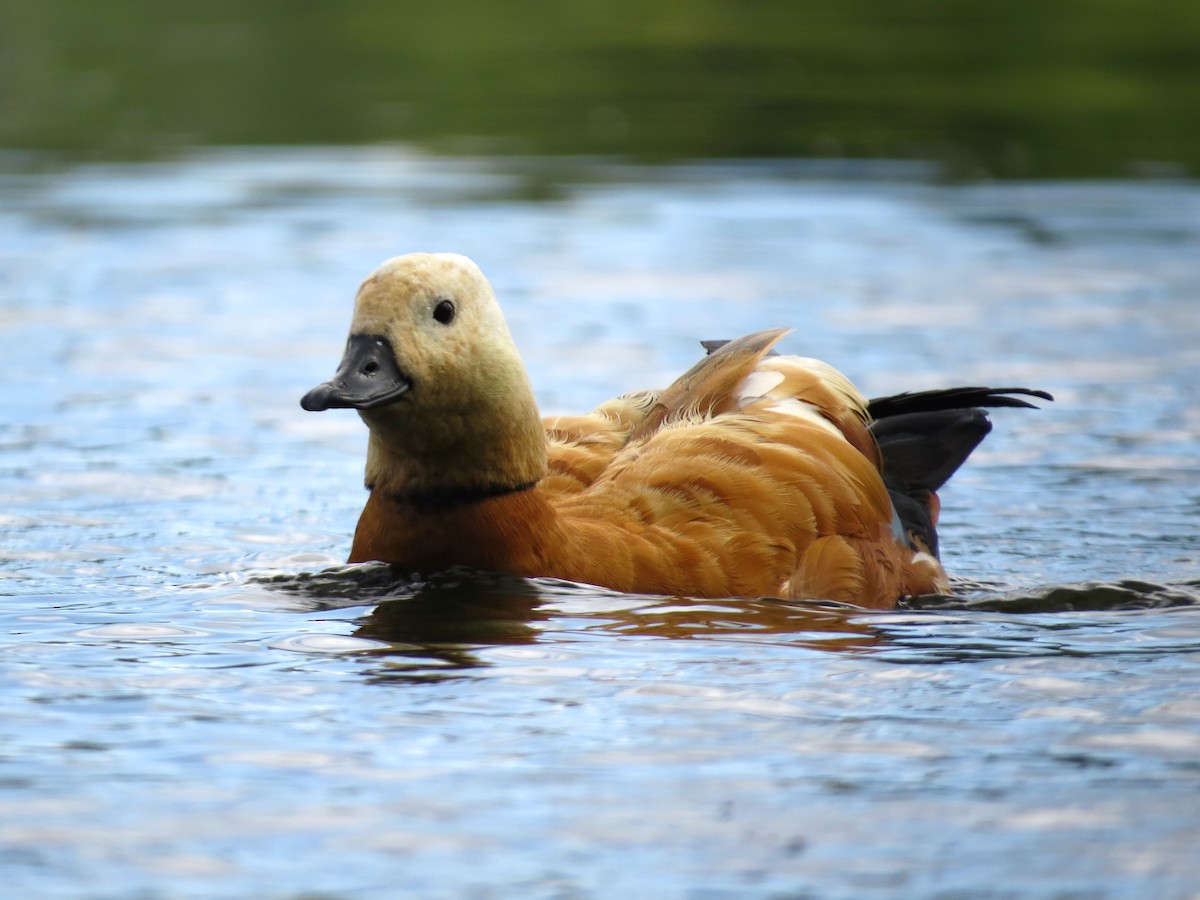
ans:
(754, 474)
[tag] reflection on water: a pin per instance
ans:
(480, 608)
(198, 699)
(444, 619)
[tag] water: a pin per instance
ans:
(198, 701)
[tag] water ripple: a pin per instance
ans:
(193, 704)
(328, 644)
(141, 631)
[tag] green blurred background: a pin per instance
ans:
(1018, 88)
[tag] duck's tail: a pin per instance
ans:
(924, 437)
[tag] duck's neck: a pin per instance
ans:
(438, 500)
(457, 453)
(459, 474)
(442, 495)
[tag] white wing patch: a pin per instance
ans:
(762, 384)
(827, 373)
(790, 406)
(757, 385)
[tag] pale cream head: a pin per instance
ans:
(469, 416)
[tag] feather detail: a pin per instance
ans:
(708, 388)
(580, 447)
(819, 386)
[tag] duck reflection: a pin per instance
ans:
(465, 610)
(816, 625)
(485, 609)
(435, 625)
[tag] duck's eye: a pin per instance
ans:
(444, 312)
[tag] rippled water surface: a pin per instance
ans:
(199, 701)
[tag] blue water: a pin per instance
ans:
(197, 701)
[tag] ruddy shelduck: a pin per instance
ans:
(754, 474)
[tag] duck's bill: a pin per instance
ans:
(368, 377)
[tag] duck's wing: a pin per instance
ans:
(581, 447)
(711, 386)
(753, 474)
(923, 438)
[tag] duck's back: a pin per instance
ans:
(580, 448)
(751, 475)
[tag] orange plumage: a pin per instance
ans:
(752, 475)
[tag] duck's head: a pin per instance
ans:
(433, 371)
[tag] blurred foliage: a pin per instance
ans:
(1020, 88)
